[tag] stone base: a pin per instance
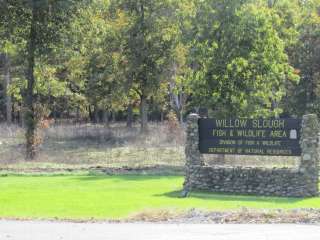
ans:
(259, 181)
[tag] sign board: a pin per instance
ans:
(277, 137)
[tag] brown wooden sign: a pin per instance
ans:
(278, 137)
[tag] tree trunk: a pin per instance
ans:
(181, 115)
(96, 114)
(21, 116)
(30, 118)
(114, 116)
(54, 111)
(7, 81)
(90, 114)
(144, 113)
(105, 116)
(129, 116)
(78, 114)
(161, 116)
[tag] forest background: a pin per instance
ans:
(153, 60)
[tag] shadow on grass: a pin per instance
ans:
(231, 197)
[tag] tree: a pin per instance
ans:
(180, 84)
(150, 39)
(7, 82)
(7, 51)
(5, 59)
(180, 71)
(305, 56)
(95, 62)
(40, 23)
(241, 65)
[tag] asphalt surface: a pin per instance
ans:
(30, 230)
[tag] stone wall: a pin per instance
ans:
(302, 182)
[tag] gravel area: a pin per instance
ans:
(243, 216)
(195, 216)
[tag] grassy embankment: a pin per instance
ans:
(117, 197)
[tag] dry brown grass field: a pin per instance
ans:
(84, 146)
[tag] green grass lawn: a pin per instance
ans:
(116, 197)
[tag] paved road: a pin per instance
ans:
(13, 230)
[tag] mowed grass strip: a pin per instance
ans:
(116, 197)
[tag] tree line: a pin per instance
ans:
(127, 59)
